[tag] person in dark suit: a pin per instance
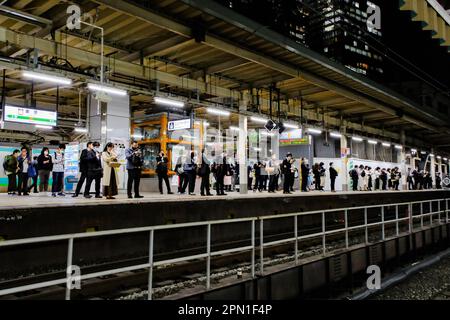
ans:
(286, 168)
(204, 173)
(83, 168)
(162, 171)
(333, 175)
(94, 170)
(305, 173)
(354, 175)
(220, 170)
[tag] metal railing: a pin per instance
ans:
(441, 212)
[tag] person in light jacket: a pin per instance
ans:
(110, 177)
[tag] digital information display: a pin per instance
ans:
(30, 116)
(293, 137)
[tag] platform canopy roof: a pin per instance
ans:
(198, 48)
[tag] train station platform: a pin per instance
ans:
(42, 215)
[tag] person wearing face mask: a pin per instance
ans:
(83, 168)
(272, 169)
(162, 169)
(288, 173)
(45, 166)
(333, 175)
(58, 171)
(110, 177)
(305, 174)
(24, 163)
(94, 170)
(134, 167)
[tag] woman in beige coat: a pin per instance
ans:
(110, 177)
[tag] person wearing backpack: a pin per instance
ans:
(24, 163)
(135, 162)
(11, 167)
(44, 167)
(354, 175)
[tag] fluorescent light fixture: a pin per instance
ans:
(257, 149)
(258, 119)
(111, 90)
(398, 147)
(372, 141)
(38, 126)
(335, 135)
(438, 157)
(218, 112)
(431, 155)
(386, 144)
(137, 136)
(46, 78)
(169, 102)
(357, 139)
(234, 128)
(423, 152)
(445, 159)
(290, 126)
(314, 131)
(81, 129)
(414, 150)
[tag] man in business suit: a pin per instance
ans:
(162, 170)
(94, 170)
(287, 170)
(83, 168)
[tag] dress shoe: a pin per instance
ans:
(138, 196)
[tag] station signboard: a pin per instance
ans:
(29, 116)
(179, 124)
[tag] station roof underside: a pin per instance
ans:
(195, 45)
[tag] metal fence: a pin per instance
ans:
(436, 211)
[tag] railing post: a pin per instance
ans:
(383, 236)
(150, 262)
(261, 246)
(253, 248)
(296, 238)
(439, 211)
(396, 220)
(410, 214)
(421, 215)
(69, 268)
(346, 227)
(324, 246)
(208, 258)
(446, 210)
(366, 229)
(431, 213)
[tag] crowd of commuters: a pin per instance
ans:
(273, 174)
(95, 166)
(219, 173)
